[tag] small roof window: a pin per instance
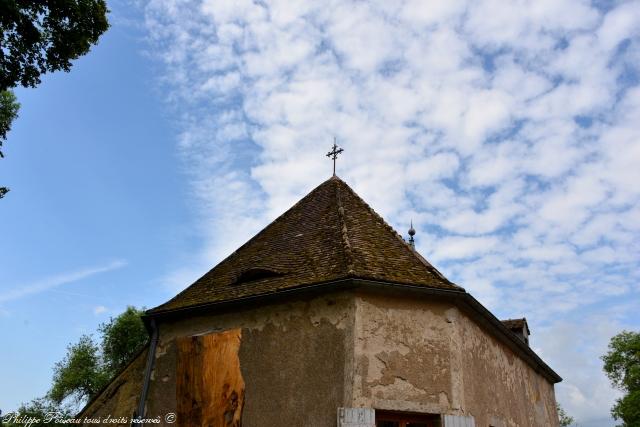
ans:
(256, 273)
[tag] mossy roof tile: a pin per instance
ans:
(330, 234)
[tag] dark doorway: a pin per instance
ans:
(403, 419)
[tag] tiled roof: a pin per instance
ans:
(328, 235)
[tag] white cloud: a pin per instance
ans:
(48, 283)
(99, 309)
(512, 142)
(463, 247)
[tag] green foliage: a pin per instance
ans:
(44, 36)
(122, 338)
(8, 112)
(81, 374)
(627, 409)
(88, 367)
(563, 417)
(47, 412)
(622, 362)
(622, 366)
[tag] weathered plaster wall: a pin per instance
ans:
(293, 358)
(301, 360)
(424, 356)
(120, 398)
(497, 379)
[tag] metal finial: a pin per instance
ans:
(412, 232)
(333, 154)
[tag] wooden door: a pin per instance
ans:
(209, 383)
(403, 419)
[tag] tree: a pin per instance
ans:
(8, 112)
(122, 338)
(81, 374)
(42, 36)
(88, 367)
(85, 370)
(563, 417)
(43, 409)
(622, 366)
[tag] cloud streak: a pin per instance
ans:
(508, 132)
(52, 282)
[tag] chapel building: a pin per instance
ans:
(328, 318)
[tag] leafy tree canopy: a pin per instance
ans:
(42, 409)
(622, 366)
(89, 366)
(45, 35)
(8, 112)
(80, 374)
(40, 36)
(563, 417)
(122, 338)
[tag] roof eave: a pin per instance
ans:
(462, 299)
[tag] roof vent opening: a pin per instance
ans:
(257, 273)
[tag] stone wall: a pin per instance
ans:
(120, 397)
(420, 355)
(303, 359)
(293, 358)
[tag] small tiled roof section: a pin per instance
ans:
(516, 324)
(330, 234)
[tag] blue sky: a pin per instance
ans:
(508, 132)
(98, 209)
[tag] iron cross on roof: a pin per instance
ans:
(333, 154)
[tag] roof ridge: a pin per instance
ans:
(344, 232)
(399, 237)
